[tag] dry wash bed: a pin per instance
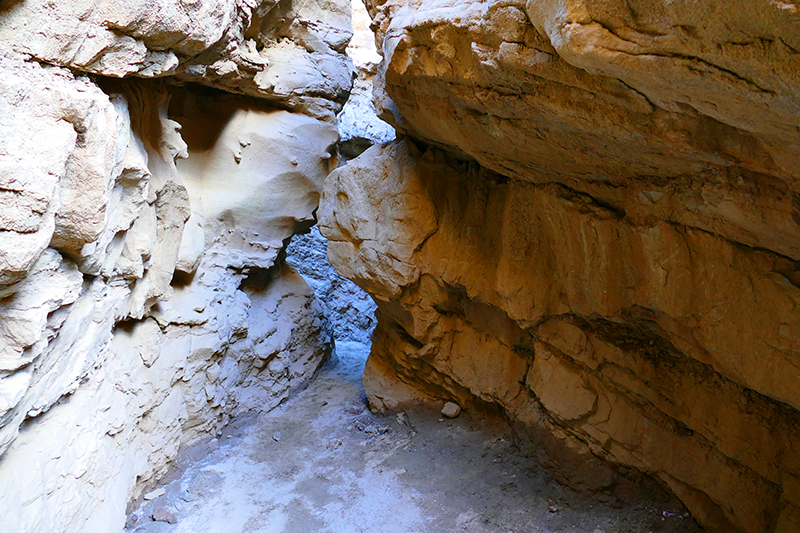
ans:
(323, 463)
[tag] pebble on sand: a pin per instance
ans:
(451, 410)
(152, 495)
(162, 515)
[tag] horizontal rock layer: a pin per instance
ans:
(595, 229)
(661, 347)
(289, 53)
(615, 124)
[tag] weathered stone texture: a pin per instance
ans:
(658, 347)
(687, 112)
(290, 53)
(350, 310)
(596, 229)
(144, 299)
(359, 125)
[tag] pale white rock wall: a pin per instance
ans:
(233, 332)
(144, 300)
(56, 131)
(106, 242)
(288, 52)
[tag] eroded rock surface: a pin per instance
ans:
(359, 125)
(596, 230)
(290, 53)
(144, 299)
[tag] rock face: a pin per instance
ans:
(144, 299)
(593, 224)
(290, 53)
(349, 310)
(359, 125)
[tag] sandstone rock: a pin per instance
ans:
(613, 258)
(138, 295)
(153, 494)
(57, 132)
(666, 113)
(289, 52)
(162, 515)
(650, 346)
(165, 380)
(240, 153)
(358, 211)
(192, 246)
(361, 47)
(79, 289)
(50, 285)
(359, 125)
(561, 389)
(350, 310)
(451, 410)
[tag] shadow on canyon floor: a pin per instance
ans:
(323, 463)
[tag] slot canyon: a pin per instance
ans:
(481, 266)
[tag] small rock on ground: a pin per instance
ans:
(451, 410)
(162, 515)
(153, 494)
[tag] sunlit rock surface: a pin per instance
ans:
(144, 299)
(595, 229)
(359, 125)
(291, 53)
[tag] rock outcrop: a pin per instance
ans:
(289, 53)
(593, 225)
(348, 308)
(359, 125)
(144, 297)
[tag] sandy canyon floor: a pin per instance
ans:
(322, 462)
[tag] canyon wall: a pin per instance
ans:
(156, 158)
(591, 223)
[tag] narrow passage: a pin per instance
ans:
(323, 463)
